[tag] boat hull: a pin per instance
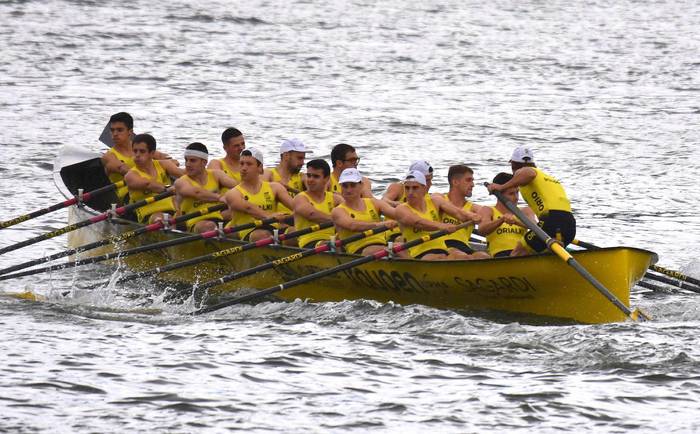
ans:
(541, 285)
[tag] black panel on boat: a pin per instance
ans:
(89, 175)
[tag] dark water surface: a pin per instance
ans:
(607, 94)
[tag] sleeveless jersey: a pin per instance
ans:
(294, 182)
(544, 194)
(231, 174)
(325, 206)
(369, 214)
(334, 186)
(463, 234)
(410, 234)
(504, 237)
(190, 204)
(116, 177)
(263, 199)
(163, 205)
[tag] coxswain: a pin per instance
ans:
(358, 214)
(255, 199)
(119, 159)
(201, 188)
(546, 197)
(149, 177)
(420, 215)
(288, 171)
(503, 231)
(234, 143)
(344, 156)
(315, 204)
(461, 180)
(395, 193)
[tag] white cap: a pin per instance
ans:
(255, 152)
(350, 175)
(422, 166)
(521, 154)
(416, 176)
(293, 145)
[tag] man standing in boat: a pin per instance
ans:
(315, 204)
(395, 194)
(288, 171)
(546, 197)
(255, 199)
(359, 214)
(461, 179)
(119, 159)
(201, 188)
(421, 215)
(234, 144)
(149, 177)
(344, 156)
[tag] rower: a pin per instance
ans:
(503, 231)
(461, 180)
(421, 214)
(288, 171)
(358, 214)
(546, 197)
(255, 199)
(119, 159)
(149, 177)
(234, 144)
(344, 156)
(395, 193)
(315, 205)
(200, 188)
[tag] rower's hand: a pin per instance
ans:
(391, 224)
(450, 228)
(510, 219)
(474, 217)
(494, 187)
(280, 216)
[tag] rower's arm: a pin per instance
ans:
(366, 187)
(384, 208)
(224, 180)
(186, 189)
(215, 165)
(112, 164)
(235, 201)
(342, 220)
(304, 208)
(137, 182)
(267, 175)
(171, 168)
(407, 218)
(522, 176)
(282, 195)
(488, 224)
(393, 193)
(448, 207)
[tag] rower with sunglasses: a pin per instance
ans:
(359, 214)
(344, 156)
(315, 204)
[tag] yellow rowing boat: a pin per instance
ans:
(539, 285)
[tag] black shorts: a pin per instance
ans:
(560, 225)
(431, 251)
(459, 245)
(268, 228)
(502, 254)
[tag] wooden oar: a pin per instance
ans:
(86, 197)
(685, 282)
(291, 258)
(92, 220)
(114, 239)
(319, 274)
(565, 256)
(123, 237)
(221, 253)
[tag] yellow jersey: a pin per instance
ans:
(295, 182)
(116, 177)
(544, 194)
(410, 233)
(463, 234)
(190, 204)
(334, 186)
(505, 237)
(369, 214)
(325, 206)
(263, 199)
(163, 205)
